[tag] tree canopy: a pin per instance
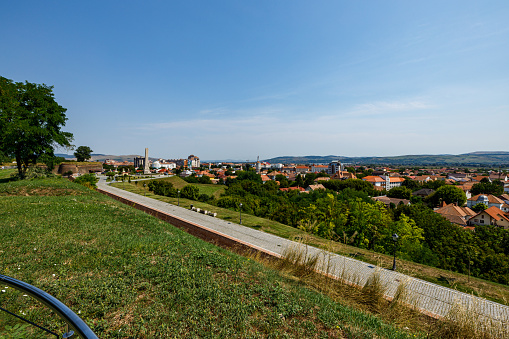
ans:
(485, 187)
(83, 153)
(30, 122)
(400, 192)
(448, 194)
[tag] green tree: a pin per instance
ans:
(400, 192)
(283, 181)
(249, 175)
(485, 187)
(30, 122)
(410, 235)
(299, 181)
(190, 192)
(448, 194)
(82, 153)
(479, 207)
(204, 180)
(365, 223)
(411, 184)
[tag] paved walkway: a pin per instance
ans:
(431, 298)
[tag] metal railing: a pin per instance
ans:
(77, 325)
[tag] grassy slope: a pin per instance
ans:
(6, 174)
(130, 275)
(483, 288)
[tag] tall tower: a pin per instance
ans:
(146, 169)
(258, 165)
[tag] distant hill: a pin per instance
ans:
(484, 158)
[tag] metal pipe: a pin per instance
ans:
(75, 322)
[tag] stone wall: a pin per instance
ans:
(80, 168)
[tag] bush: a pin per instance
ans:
(34, 173)
(190, 192)
(87, 180)
(479, 207)
(162, 187)
(400, 192)
(205, 197)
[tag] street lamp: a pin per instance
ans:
(144, 191)
(240, 211)
(395, 238)
(178, 198)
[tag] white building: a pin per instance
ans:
(334, 167)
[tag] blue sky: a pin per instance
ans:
(238, 79)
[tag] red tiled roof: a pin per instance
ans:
(373, 178)
(292, 188)
(495, 213)
(491, 198)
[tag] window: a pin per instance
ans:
(482, 221)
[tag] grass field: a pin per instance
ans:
(129, 275)
(493, 291)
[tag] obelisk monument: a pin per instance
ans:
(146, 169)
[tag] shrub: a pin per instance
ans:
(205, 197)
(87, 180)
(190, 192)
(34, 172)
(162, 187)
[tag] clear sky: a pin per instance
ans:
(238, 79)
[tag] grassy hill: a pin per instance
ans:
(129, 275)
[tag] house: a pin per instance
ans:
(286, 189)
(478, 178)
(504, 197)
(487, 199)
(391, 182)
(343, 175)
(456, 214)
(387, 201)
(498, 176)
(265, 178)
(422, 178)
(315, 187)
(457, 176)
(301, 169)
(319, 168)
(376, 181)
(423, 192)
(272, 175)
(491, 216)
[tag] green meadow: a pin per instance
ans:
(129, 275)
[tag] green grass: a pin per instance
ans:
(479, 287)
(129, 275)
(209, 189)
(5, 174)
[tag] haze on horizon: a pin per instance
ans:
(234, 80)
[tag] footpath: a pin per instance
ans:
(432, 299)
